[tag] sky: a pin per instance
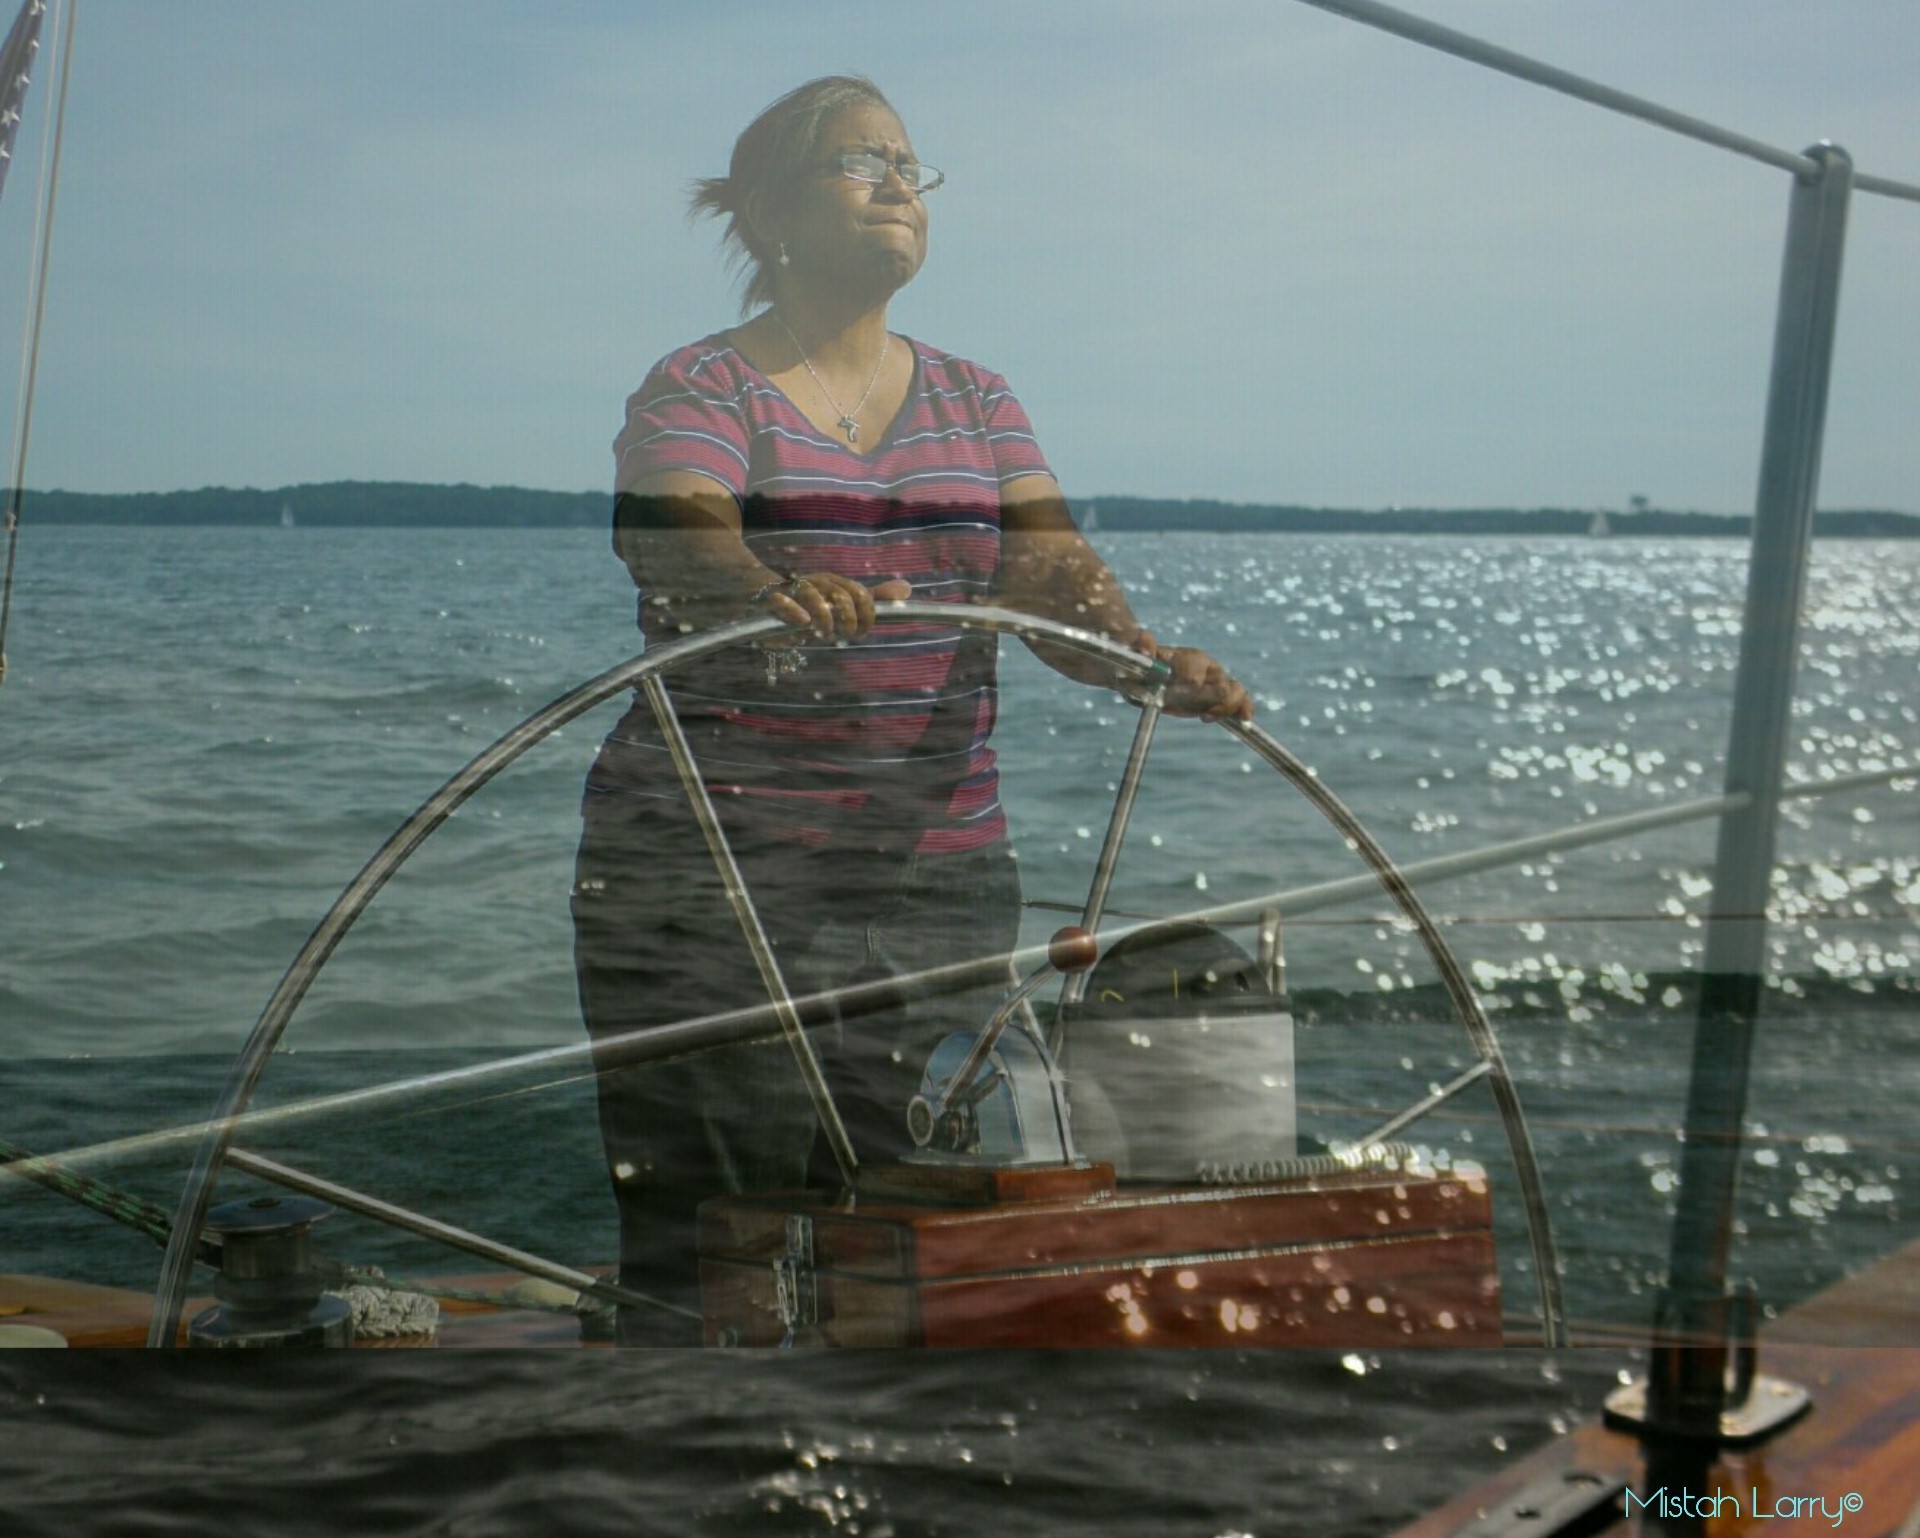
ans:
(1239, 249)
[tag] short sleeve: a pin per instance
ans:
(1016, 452)
(686, 416)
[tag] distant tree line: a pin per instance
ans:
(395, 504)
(1123, 514)
(336, 504)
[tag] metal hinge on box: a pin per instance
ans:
(796, 1291)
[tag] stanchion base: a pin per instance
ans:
(1770, 1407)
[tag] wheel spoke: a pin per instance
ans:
(758, 945)
(404, 1218)
(784, 1013)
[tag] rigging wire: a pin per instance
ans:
(1359, 9)
(1475, 50)
(1375, 920)
(694, 1034)
(30, 352)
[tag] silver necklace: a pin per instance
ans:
(846, 423)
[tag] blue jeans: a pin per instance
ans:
(655, 941)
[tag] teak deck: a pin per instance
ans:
(1856, 1349)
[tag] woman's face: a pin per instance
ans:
(842, 231)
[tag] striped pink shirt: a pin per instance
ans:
(883, 741)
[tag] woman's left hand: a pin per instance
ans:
(1200, 686)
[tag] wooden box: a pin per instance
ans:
(1365, 1258)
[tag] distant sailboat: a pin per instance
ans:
(286, 515)
(1090, 519)
(1599, 528)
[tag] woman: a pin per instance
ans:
(810, 464)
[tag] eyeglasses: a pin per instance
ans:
(872, 169)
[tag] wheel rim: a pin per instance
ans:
(243, 1078)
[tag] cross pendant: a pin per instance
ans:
(851, 428)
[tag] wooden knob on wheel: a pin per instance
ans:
(1072, 949)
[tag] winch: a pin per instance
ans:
(994, 1096)
(270, 1288)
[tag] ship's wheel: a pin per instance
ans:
(783, 1014)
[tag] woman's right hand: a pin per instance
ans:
(833, 606)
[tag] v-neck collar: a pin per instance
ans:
(885, 440)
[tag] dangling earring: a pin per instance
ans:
(785, 260)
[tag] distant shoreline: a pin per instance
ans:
(389, 504)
